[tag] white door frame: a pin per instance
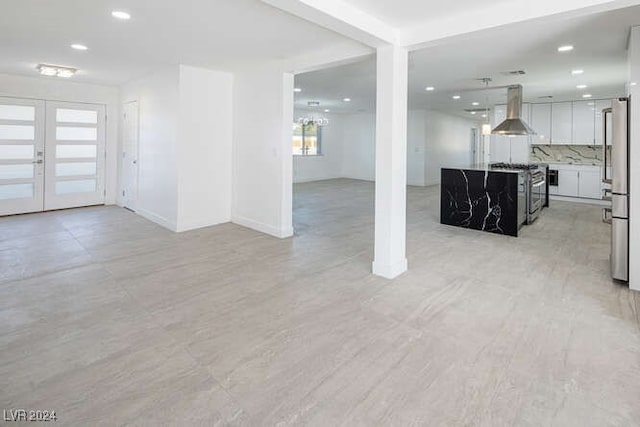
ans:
(130, 154)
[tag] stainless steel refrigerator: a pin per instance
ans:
(616, 175)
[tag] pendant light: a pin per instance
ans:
(486, 127)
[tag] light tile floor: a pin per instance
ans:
(109, 320)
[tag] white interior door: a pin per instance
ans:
(21, 155)
(130, 156)
(74, 155)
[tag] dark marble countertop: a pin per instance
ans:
(483, 168)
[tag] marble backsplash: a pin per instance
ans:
(572, 154)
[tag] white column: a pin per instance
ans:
(391, 162)
(634, 160)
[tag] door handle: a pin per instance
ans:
(37, 161)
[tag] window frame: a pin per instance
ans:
(304, 148)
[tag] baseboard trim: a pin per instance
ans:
(158, 219)
(390, 271)
(281, 233)
(579, 200)
(197, 225)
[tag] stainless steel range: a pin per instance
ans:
(534, 186)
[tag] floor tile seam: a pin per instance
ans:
(150, 317)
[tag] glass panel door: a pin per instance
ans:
(74, 155)
(21, 155)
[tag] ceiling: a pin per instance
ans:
(409, 13)
(220, 34)
(453, 67)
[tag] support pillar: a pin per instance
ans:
(391, 162)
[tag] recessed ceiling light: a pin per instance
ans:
(456, 96)
(587, 95)
(475, 104)
(297, 90)
(56, 71)
(119, 14)
(565, 48)
(591, 103)
(576, 72)
(484, 116)
(327, 111)
(79, 47)
(633, 83)
(430, 88)
(473, 113)
(581, 86)
(347, 100)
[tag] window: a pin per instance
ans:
(307, 139)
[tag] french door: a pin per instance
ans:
(74, 155)
(21, 156)
(51, 155)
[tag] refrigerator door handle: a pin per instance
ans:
(605, 165)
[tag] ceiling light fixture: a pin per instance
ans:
(313, 121)
(587, 95)
(581, 86)
(56, 71)
(456, 97)
(633, 83)
(297, 90)
(327, 111)
(475, 104)
(577, 72)
(430, 88)
(347, 100)
(473, 113)
(79, 47)
(565, 48)
(119, 14)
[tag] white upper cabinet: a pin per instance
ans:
(541, 123)
(562, 123)
(601, 105)
(584, 113)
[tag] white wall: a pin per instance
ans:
(204, 148)
(434, 140)
(158, 98)
(359, 146)
(448, 144)
(262, 160)
(54, 89)
(634, 160)
(416, 147)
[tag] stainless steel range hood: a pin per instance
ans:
(513, 125)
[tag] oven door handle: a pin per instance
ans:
(539, 184)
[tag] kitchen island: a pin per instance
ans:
(483, 199)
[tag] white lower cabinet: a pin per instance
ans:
(590, 184)
(567, 183)
(578, 181)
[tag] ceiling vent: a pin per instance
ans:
(514, 73)
(477, 110)
(313, 103)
